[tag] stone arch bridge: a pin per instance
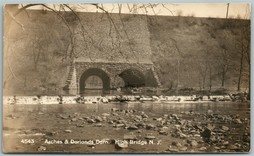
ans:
(133, 74)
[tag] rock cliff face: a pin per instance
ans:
(187, 51)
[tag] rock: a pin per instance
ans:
(210, 127)
(162, 132)
(216, 147)
(64, 117)
(150, 126)
(202, 148)
(198, 127)
(206, 134)
(141, 124)
(159, 119)
(119, 125)
(233, 147)
(196, 135)
(111, 122)
(178, 144)
(132, 127)
(129, 137)
(81, 118)
(74, 119)
(80, 125)
(41, 148)
(225, 143)
(86, 118)
(224, 128)
(114, 109)
(182, 135)
(238, 121)
(90, 120)
(121, 145)
(98, 119)
(194, 143)
(104, 100)
(183, 148)
(98, 125)
(213, 139)
(40, 113)
(209, 111)
(173, 143)
(68, 131)
(150, 137)
(171, 149)
(175, 116)
(50, 133)
(138, 117)
(144, 116)
(165, 116)
(105, 114)
(91, 145)
(114, 114)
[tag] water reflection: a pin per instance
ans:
(156, 108)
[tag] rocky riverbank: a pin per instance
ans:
(121, 130)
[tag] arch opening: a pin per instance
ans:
(133, 78)
(94, 78)
(93, 82)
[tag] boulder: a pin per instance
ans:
(98, 119)
(194, 143)
(238, 121)
(98, 125)
(206, 134)
(64, 117)
(105, 114)
(121, 145)
(68, 131)
(114, 114)
(90, 120)
(119, 125)
(80, 125)
(183, 148)
(202, 148)
(114, 109)
(172, 149)
(150, 137)
(150, 126)
(132, 127)
(162, 132)
(42, 148)
(74, 119)
(224, 128)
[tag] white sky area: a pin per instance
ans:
(216, 10)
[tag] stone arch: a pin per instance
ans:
(94, 72)
(133, 78)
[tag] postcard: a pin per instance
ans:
(126, 78)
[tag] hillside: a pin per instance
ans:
(200, 49)
(187, 52)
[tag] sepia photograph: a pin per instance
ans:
(126, 78)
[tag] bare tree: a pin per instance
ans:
(243, 44)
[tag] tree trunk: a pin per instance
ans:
(210, 78)
(240, 71)
(223, 77)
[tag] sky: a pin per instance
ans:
(216, 10)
